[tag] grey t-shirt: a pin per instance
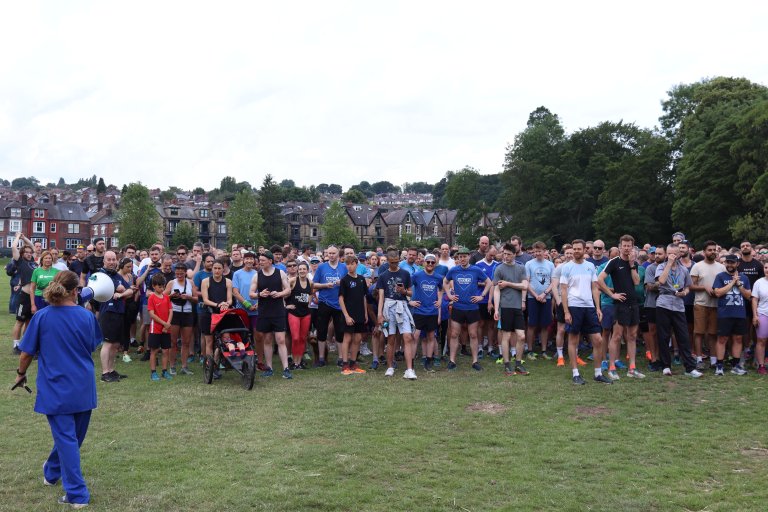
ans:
(677, 280)
(510, 297)
(650, 278)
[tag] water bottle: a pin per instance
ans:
(385, 328)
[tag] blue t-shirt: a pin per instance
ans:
(112, 305)
(64, 337)
(426, 289)
(465, 285)
(731, 305)
(389, 280)
(327, 274)
(539, 274)
(411, 269)
(198, 280)
(488, 269)
(241, 280)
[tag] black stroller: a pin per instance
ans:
(232, 347)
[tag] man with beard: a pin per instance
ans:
(93, 262)
(732, 289)
(703, 276)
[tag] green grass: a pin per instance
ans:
(327, 442)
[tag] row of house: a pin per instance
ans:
(67, 224)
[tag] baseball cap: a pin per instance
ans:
(268, 254)
(732, 258)
(462, 250)
(430, 257)
(314, 259)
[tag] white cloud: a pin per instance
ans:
(184, 93)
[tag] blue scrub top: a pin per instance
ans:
(64, 337)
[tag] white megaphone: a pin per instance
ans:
(100, 288)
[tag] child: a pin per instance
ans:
(161, 313)
(231, 344)
(352, 291)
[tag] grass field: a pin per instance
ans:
(460, 441)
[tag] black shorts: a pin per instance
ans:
(484, 314)
(626, 314)
(24, 311)
(181, 319)
(112, 326)
(689, 313)
(650, 315)
(511, 319)
(583, 321)
(560, 313)
(159, 341)
(271, 324)
(357, 327)
(425, 322)
(204, 322)
(731, 326)
(463, 316)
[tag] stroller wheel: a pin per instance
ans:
(249, 372)
(208, 369)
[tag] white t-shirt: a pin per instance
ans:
(449, 263)
(760, 292)
(579, 278)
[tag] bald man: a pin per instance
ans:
(112, 318)
(482, 248)
(598, 253)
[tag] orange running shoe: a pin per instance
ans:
(357, 369)
(560, 361)
(347, 371)
(580, 361)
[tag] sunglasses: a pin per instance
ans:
(291, 265)
(429, 262)
(598, 248)
(181, 254)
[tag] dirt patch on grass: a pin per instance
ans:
(755, 451)
(487, 407)
(592, 411)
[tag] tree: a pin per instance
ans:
(198, 191)
(707, 203)
(462, 194)
(384, 187)
(334, 189)
(244, 221)
(138, 221)
(438, 191)
(419, 187)
(322, 188)
(407, 240)
(22, 183)
(365, 188)
(274, 223)
(61, 183)
(288, 184)
(354, 195)
(335, 228)
(185, 234)
(101, 187)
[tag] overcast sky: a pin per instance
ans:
(184, 93)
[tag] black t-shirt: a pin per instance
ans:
(752, 269)
(389, 280)
(621, 274)
(354, 289)
(76, 266)
(24, 269)
(93, 263)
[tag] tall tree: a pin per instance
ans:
(707, 204)
(244, 221)
(61, 183)
(185, 234)
(274, 223)
(462, 193)
(22, 183)
(101, 187)
(333, 188)
(139, 222)
(335, 228)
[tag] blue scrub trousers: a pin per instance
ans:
(68, 432)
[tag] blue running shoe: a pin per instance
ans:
(451, 366)
(374, 364)
(154, 377)
(267, 373)
(604, 366)
(620, 365)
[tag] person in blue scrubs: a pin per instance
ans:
(63, 336)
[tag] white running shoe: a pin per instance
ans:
(613, 375)
(666, 371)
(634, 374)
(390, 372)
(364, 350)
(695, 374)
(409, 374)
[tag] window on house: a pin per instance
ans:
(53, 227)
(204, 213)
(72, 243)
(15, 212)
(14, 226)
(38, 227)
(39, 213)
(314, 232)
(222, 229)
(75, 228)
(174, 211)
(407, 228)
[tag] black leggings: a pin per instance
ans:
(324, 314)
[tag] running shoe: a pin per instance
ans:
(390, 372)
(154, 377)
(217, 374)
(613, 375)
(666, 371)
(436, 362)
(185, 371)
(761, 370)
(719, 371)
(604, 366)
(520, 369)
(499, 360)
(364, 350)
(357, 369)
(64, 501)
(339, 363)
(166, 375)
(620, 365)
(347, 371)
(580, 361)
(701, 366)
(532, 356)
(546, 356)
(480, 354)
(172, 371)
(579, 380)
(119, 376)
(508, 371)
(127, 358)
(694, 374)
(676, 361)
(145, 357)
(409, 374)
(267, 373)
(477, 367)
(635, 374)
(375, 364)
(287, 373)
(560, 361)
(602, 378)
(451, 366)
(738, 370)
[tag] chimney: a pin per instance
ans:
(24, 199)
(53, 198)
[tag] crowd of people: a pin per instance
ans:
(666, 305)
